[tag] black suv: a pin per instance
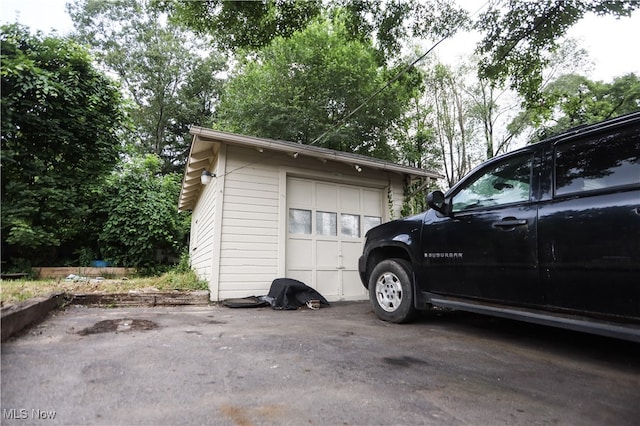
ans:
(549, 234)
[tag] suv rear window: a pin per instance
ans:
(606, 161)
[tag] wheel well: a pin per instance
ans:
(378, 255)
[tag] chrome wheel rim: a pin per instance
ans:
(389, 292)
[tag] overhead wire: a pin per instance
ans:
(394, 79)
(366, 101)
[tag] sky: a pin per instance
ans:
(611, 43)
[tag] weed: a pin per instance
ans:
(13, 291)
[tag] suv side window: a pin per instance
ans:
(506, 182)
(607, 161)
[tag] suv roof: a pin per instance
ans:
(586, 128)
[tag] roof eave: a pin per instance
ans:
(201, 160)
(311, 151)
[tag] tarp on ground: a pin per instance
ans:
(284, 294)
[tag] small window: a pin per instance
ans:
(609, 161)
(371, 222)
(326, 223)
(300, 221)
(507, 182)
(350, 225)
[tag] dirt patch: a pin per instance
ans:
(249, 416)
(118, 326)
(236, 414)
(404, 361)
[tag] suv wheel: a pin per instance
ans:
(391, 290)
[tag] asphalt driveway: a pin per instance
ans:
(335, 366)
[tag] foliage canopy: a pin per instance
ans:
(244, 24)
(168, 73)
(307, 88)
(60, 119)
(520, 35)
(578, 100)
(142, 223)
(253, 25)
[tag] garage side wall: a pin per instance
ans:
(253, 234)
(250, 224)
(203, 223)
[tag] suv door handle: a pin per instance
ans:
(510, 223)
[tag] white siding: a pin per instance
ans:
(202, 231)
(249, 233)
(204, 245)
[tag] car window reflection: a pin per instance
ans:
(505, 183)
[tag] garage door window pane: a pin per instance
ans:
(350, 225)
(371, 222)
(299, 221)
(326, 223)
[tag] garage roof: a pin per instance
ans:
(206, 143)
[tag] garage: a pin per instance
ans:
(264, 209)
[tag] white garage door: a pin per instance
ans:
(326, 226)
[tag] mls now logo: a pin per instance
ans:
(23, 414)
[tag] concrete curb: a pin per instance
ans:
(15, 318)
(21, 315)
(143, 299)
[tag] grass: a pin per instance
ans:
(13, 291)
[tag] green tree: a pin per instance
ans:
(252, 25)
(392, 23)
(419, 150)
(308, 89)
(60, 118)
(414, 136)
(143, 227)
(496, 108)
(491, 109)
(454, 130)
(164, 71)
(520, 36)
(578, 100)
(243, 24)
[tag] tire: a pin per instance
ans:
(391, 291)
